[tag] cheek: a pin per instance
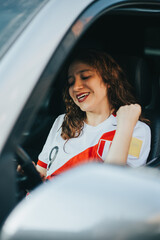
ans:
(70, 92)
(103, 88)
(104, 92)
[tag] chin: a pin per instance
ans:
(86, 109)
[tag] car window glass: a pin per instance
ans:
(14, 15)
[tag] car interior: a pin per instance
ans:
(135, 47)
(134, 41)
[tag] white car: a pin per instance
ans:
(92, 201)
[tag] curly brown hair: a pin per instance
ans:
(119, 92)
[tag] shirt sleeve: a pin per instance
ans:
(43, 156)
(140, 145)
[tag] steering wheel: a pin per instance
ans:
(31, 177)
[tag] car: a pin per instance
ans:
(37, 40)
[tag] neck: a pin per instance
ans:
(94, 119)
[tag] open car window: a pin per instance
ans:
(132, 40)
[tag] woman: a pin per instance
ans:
(101, 120)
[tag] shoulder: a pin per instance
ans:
(57, 123)
(143, 128)
(59, 119)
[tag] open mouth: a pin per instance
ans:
(82, 97)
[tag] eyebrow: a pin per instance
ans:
(84, 70)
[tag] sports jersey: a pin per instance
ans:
(59, 155)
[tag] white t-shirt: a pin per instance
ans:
(93, 144)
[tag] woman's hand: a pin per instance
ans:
(41, 171)
(128, 115)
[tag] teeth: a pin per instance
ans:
(83, 95)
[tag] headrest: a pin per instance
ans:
(138, 74)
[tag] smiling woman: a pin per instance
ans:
(101, 121)
(87, 89)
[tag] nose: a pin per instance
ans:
(78, 84)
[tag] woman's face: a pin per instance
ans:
(87, 88)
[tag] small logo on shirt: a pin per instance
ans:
(104, 144)
(52, 156)
(135, 147)
(103, 148)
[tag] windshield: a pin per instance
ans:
(14, 16)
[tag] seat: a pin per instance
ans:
(139, 74)
(154, 116)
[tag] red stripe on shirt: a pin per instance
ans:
(41, 164)
(88, 155)
(101, 148)
(108, 135)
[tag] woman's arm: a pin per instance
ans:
(127, 117)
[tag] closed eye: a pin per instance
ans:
(85, 77)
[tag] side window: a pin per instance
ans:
(34, 138)
(128, 49)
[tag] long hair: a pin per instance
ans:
(119, 91)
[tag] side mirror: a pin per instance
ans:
(93, 201)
